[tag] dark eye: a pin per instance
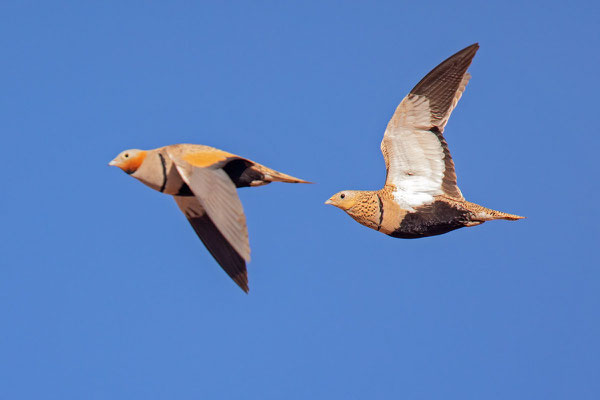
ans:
(342, 195)
(126, 155)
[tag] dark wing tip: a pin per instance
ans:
(242, 281)
(457, 63)
(441, 84)
(222, 251)
(474, 46)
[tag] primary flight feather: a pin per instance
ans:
(203, 181)
(421, 197)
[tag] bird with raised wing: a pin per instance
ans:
(203, 182)
(421, 197)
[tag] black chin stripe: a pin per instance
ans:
(164, 171)
(380, 212)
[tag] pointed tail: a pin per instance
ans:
(487, 214)
(270, 175)
(502, 215)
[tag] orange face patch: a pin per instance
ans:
(132, 163)
(207, 158)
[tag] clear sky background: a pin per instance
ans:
(106, 292)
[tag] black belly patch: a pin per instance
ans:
(430, 220)
(185, 190)
(241, 172)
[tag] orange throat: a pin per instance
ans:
(132, 164)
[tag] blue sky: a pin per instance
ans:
(106, 293)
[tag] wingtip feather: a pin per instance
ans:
(242, 282)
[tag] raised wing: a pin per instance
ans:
(218, 196)
(220, 248)
(418, 162)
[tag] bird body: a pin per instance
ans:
(379, 210)
(421, 197)
(203, 182)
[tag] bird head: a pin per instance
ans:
(344, 200)
(129, 160)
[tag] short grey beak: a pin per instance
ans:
(112, 163)
(329, 201)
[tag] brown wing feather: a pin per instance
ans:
(449, 181)
(440, 86)
(424, 113)
(227, 257)
(444, 86)
(217, 193)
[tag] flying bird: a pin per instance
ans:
(420, 197)
(203, 182)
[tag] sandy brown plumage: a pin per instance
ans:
(421, 196)
(203, 181)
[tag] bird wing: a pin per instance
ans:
(418, 162)
(216, 193)
(220, 248)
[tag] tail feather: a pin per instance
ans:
(487, 214)
(270, 175)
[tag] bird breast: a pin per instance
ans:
(159, 172)
(378, 210)
(367, 210)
